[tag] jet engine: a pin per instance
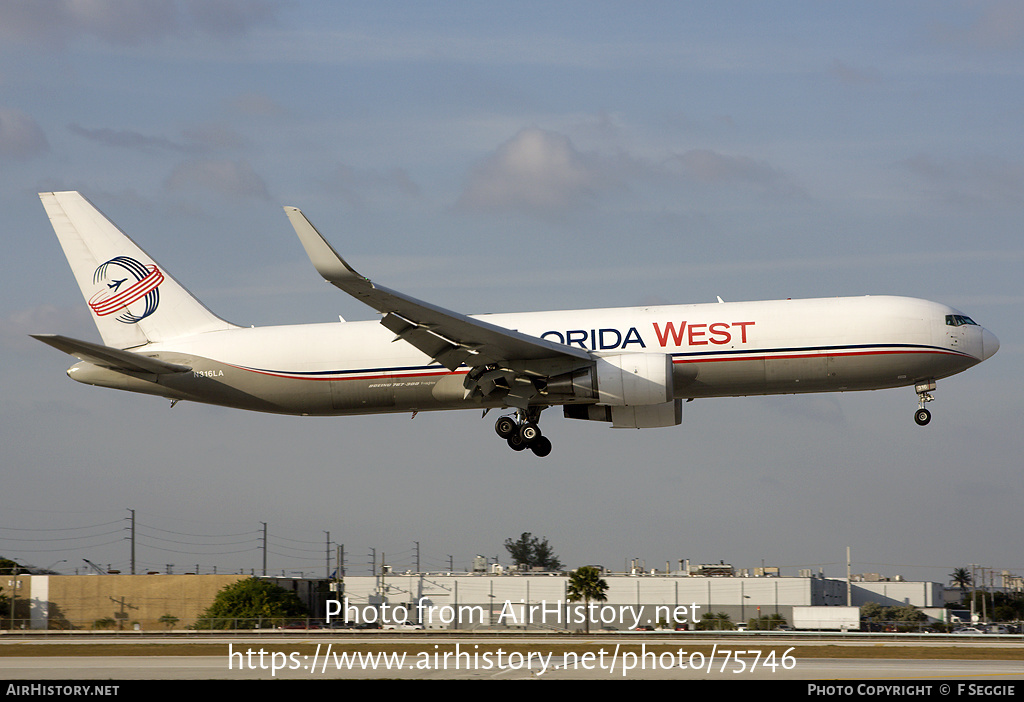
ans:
(631, 390)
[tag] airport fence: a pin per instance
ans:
(111, 625)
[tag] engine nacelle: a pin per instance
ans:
(666, 414)
(618, 379)
(632, 390)
(634, 379)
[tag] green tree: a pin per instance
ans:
(907, 615)
(530, 552)
(765, 622)
(715, 621)
(586, 585)
(249, 601)
(9, 567)
(168, 620)
(1007, 606)
(874, 612)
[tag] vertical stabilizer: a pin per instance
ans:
(132, 299)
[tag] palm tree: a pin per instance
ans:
(961, 577)
(586, 584)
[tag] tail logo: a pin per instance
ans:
(132, 302)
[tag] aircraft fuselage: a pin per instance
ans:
(717, 350)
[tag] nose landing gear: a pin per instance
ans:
(922, 416)
(522, 432)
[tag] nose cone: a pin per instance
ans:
(989, 344)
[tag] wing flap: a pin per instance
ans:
(448, 353)
(109, 357)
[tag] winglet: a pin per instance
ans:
(325, 259)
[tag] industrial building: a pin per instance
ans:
(449, 600)
(151, 602)
(441, 600)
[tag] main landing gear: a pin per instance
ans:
(922, 416)
(522, 432)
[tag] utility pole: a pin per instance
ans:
(984, 597)
(973, 566)
(121, 616)
(264, 548)
(338, 582)
(849, 593)
(133, 539)
(327, 550)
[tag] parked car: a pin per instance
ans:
(337, 624)
(407, 626)
(301, 625)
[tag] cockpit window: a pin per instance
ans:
(956, 320)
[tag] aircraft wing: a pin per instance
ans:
(450, 338)
(109, 357)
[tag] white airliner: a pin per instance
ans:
(630, 366)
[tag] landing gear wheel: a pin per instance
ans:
(529, 432)
(521, 431)
(541, 446)
(516, 443)
(505, 427)
(924, 394)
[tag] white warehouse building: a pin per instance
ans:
(540, 600)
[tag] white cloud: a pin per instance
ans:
(708, 166)
(198, 139)
(537, 171)
(124, 138)
(997, 25)
(975, 180)
(541, 172)
(356, 185)
(126, 22)
(233, 179)
(257, 104)
(44, 319)
(852, 75)
(20, 136)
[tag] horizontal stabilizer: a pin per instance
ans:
(108, 357)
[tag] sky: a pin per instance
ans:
(515, 157)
